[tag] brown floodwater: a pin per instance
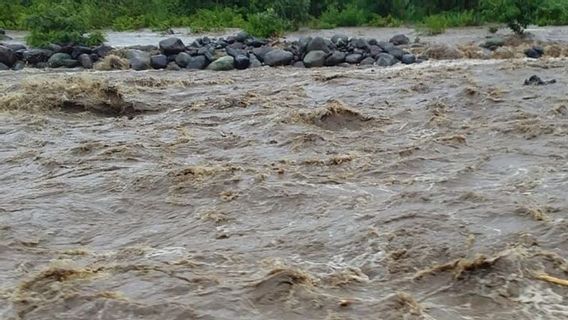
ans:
(432, 191)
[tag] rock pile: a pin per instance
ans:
(240, 51)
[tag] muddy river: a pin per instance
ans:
(431, 191)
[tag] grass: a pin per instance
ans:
(216, 19)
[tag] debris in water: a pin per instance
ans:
(537, 81)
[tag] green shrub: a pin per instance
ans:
(350, 16)
(59, 24)
(124, 23)
(517, 14)
(552, 12)
(461, 19)
(433, 25)
(384, 22)
(215, 19)
(266, 24)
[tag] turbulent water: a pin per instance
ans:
(434, 191)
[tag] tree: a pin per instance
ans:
(517, 14)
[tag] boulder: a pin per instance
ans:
(399, 39)
(198, 63)
(354, 58)
(299, 64)
(183, 59)
(340, 40)
(335, 58)
(79, 50)
(261, 52)
(360, 43)
(16, 47)
(315, 59)
(534, 52)
(172, 66)
(256, 42)
(138, 59)
(278, 57)
(171, 46)
(58, 60)
(225, 63)
(396, 52)
(367, 61)
(303, 42)
(35, 56)
(493, 43)
(3, 67)
(386, 46)
(242, 62)
(102, 51)
(7, 56)
(254, 62)
(374, 51)
(386, 60)
(317, 44)
(408, 58)
(159, 61)
(85, 61)
(242, 36)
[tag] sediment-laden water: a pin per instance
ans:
(433, 191)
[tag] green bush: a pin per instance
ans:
(215, 19)
(59, 24)
(433, 25)
(124, 23)
(384, 22)
(266, 24)
(517, 14)
(350, 16)
(552, 12)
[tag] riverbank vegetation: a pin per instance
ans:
(70, 20)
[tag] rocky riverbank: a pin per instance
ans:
(242, 51)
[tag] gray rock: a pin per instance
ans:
(183, 59)
(315, 59)
(3, 67)
(172, 66)
(373, 42)
(278, 57)
(261, 52)
(360, 43)
(85, 61)
(58, 60)
(396, 52)
(54, 47)
(399, 39)
(534, 53)
(367, 61)
(225, 63)
(386, 46)
(7, 56)
(374, 51)
(317, 44)
(242, 36)
(408, 58)
(159, 61)
(340, 40)
(254, 62)
(493, 43)
(299, 64)
(354, 58)
(19, 66)
(41, 65)
(208, 52)
(386, 60)
(171, 46)
(102, 51)
(234, 52)
(16, 47)
(335, 58)
(79, 50)
(304, 41)
(143, 47)
(35, 56)
(242, 62)
(198, 63)
(138, 59)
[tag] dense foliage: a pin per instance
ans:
(68, 20)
